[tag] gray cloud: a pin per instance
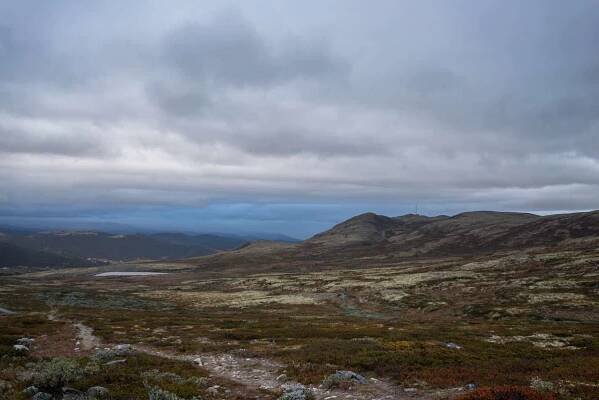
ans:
(19, 141)
(229, 50)
(493, 104)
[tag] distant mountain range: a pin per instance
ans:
(20, 247)
(466, 232)
(364, 236)
(375, 240)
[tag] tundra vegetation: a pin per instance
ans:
(509, 324)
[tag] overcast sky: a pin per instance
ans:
(289, 116)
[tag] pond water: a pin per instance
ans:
(5, 311)
(123, 273)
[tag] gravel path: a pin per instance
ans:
(261, 373)
(86, 338)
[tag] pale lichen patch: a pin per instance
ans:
(541, 340)
(564, 298)
(393, 296)
(239, 299)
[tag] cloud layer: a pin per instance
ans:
(108, 107)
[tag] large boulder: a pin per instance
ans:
(25, 341)
(296, 392)
(342, 379)
(107, 354)
(19, 348)
(30, 390)
(97, 393)
(123, 349)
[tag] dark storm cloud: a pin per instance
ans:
(488, 104)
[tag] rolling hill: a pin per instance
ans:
(66, 247)
(376, 240)
(466, 232)
(15, 256)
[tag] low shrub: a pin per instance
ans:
(155, 393)
(506, 393)
(54, 374)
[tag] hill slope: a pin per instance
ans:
(466, 232)
(15, 256)
(377, 240)
(105, 246)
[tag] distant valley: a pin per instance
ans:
(91, 248)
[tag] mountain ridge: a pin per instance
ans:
(411, 235)
(370, 227)
(65, 247)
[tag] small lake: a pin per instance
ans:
(130, 273)
(5, 311)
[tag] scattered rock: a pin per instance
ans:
(20, 348)
(25, 341)
(495, 315)
(30, 390)
(296, 392)
(97, 393)
(107, 353)
(42, 396)
(198, 361)
(343, 378)
(123, 349)
(282, 378)
(213, 389)
(120, 361)
(541, 385)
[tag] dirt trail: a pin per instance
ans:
(254, 372)
(85, 339)
(261, 373)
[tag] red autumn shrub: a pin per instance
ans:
(506, 393)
